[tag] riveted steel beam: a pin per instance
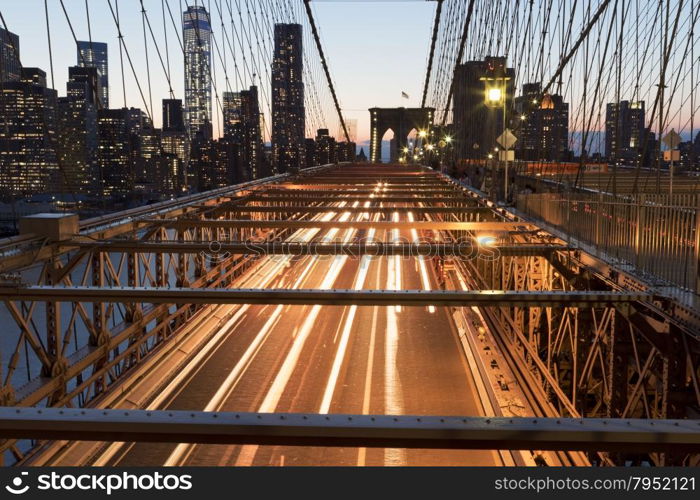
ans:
(303, 224)
(463, 249)
(377, 431)
(479, 298)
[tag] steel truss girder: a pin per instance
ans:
(480, 298)
(304, 224)
(372, 182)
(370, 187)
(96, 354)
(377, 431)
(457, 198)
(628, 361)
(329, 191)
(357, 210)
(21, 251)
(466, 249)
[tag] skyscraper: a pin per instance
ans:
(251, 152)
(232, 115)
(94, 54)
(10, 68)
(197, 38)
(175, 142)
(241, 113)
(543, 133)
(325, 148)
(625, 131)
(172, 115)
(115, 128)
(287, 97)
(476, 126)
(28, 162)
(77, 129)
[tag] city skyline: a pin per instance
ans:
(200, 267)
(383, 76)
(344, 59)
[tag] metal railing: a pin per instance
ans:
(656, 234)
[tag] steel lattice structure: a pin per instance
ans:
(583, 339)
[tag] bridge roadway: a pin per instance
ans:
(328, 359)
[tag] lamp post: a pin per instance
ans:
(495, 93)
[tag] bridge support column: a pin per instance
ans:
(54, 337)
(619, 350)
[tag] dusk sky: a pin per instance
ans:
(376, 49)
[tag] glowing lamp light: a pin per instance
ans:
(495, 92)
(422, 133)
(486, 240)
(494, 95)
(448, 139)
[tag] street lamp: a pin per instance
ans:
(495, 97)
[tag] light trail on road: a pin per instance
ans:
(325, 359)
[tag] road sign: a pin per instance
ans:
(507, 139)
(672, 139)
(672, 155)
(506, 155)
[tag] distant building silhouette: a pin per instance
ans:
(231, 114)
(10, 67)
(287, 97)
(251, 136)
(120, 149)
(175, 142)
(625, 132)
(309, 152)
(196, 29)
(28, 163)
(77, 131)
(345, 151)
(241, 116)
(173, 118)
(94, 54)
(542, 125)
(325, 148)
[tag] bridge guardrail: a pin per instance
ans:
(656, 234)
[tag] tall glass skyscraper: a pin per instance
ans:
(94, 54)
(197, 35)
(232, 115)
(287, 98)
(10, 68)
